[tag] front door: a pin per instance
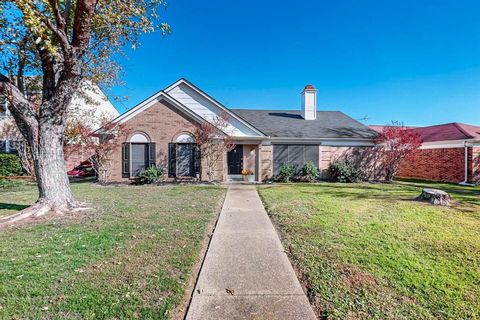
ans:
(235, 160)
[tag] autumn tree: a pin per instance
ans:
(394, 144)
(213, 138)
(62, 42)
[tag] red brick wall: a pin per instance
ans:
(446, 164)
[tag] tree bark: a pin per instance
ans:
(55, 194)
(45, 134)
(49, 163)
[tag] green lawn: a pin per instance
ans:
(131, 258)
(368, 251)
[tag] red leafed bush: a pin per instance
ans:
(395, 143)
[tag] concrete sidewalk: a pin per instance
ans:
(246, 273)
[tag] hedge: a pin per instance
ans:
(10, 165)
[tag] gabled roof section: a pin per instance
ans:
(195, 103)
(448, 131)
(443, 132)
(150, 101)
(207, 107)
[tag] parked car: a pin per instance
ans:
(84, 169)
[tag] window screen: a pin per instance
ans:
(280, 155)
(296, 154)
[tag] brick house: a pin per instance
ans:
(449, 153)
(161, 132)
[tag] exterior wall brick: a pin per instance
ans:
(445, 165)
(364, 157)
(266, 161)
(162, 123)
(218, 170)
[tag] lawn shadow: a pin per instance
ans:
(364, 191)
(79, 180)
(12, 206)
(464, 198)
(469, 195)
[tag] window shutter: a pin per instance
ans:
(151, 155)
(296, 156)
(172, 160)
(197, 164)
(126, 160)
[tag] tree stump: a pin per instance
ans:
(435, 197)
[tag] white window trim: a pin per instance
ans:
(139, 137)
(185, 137)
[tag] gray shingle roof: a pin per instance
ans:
(290, 124)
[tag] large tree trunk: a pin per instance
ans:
(45, 136)
(55, 195)
(49, 163)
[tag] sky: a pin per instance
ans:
(412, 61)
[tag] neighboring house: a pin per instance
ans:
(161, 131)
(449, 153)
(89, 106)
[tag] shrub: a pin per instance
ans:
(344, 171)
(287, 171)
(152, 174)
(10, 165)
(310, 171)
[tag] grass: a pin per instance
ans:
(132, 258)
(369, 251)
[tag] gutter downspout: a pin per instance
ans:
(465, 182)
(466, 163)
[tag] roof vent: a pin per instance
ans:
(309, 102)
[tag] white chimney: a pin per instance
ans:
(309, 102)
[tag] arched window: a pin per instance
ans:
(139, 138)
(185, 138)
(137, 154)
(183, 156)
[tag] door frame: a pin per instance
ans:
(247, 149)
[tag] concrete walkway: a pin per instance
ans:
(246, 273)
